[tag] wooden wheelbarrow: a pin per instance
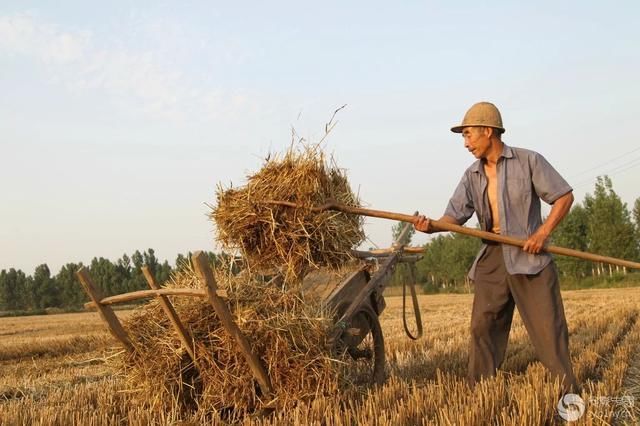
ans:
(357, 302)
(210, 292)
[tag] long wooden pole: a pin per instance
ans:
(144, 294)
(115, 327)
(205, 273)
(183, 334)
(444, 226)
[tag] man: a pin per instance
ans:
(504, 187)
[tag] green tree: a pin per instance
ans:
(159, 270)
(447, 260)
(396, 230)
(71, 293)
(45, 290)
(163, 273)
(137, 259)
(611, 231)
(124, 264)
(573, 232)
(402, 274)
(28, 296)
(150, 260)
(6, 292)
(137, 281)
(124, 274)
(104, 274)
(12, 290)
(636, 220)
(183, 261)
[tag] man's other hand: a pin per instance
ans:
(423, 224)
(535, 243)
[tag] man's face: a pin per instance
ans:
(477, 140)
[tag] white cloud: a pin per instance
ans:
(134, 79)
(22, 34)
(65, 48)
(128, 75)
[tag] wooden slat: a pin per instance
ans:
(145, 294)
(375, 284)
(415, 250)
(203, 269)
(406, 229)
(409, 258)
(105, 312)
(183, 334)
(371, 253)
(349, 287)
(385, 252)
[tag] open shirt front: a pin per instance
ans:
(524, 177)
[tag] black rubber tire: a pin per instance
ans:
(377, 358)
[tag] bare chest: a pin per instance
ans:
(492, 194)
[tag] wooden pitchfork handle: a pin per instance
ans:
(444, 226)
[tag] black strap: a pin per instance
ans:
(416, 308)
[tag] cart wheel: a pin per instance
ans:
(365, 344)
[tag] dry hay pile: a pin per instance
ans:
(286, 333)
(277, 237)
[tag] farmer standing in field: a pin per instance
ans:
(504, 187)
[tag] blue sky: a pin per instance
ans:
(118, 120)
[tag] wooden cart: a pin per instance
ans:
(357, 301)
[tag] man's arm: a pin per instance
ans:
(423, 224)
(535, 243)
(458, 211)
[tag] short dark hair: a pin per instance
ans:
(497, 132)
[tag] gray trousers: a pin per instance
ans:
(540, 306)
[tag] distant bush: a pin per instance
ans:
(21, 313)
(53, 311)
(31, 312)
(612, 281)
(566, 283)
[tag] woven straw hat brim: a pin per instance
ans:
(458, 129)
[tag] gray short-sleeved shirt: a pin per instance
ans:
(524, 177)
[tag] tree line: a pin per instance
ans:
(42, 290)
(602, 223)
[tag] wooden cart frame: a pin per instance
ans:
(357, 301)
(210, 292)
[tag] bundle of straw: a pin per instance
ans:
(286, 333)
(275, 237)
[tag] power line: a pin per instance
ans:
(623, 165)
(605, 163)
(620, 169)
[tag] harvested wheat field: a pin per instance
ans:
(57, 370)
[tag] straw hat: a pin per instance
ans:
(483, 114)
